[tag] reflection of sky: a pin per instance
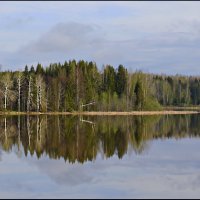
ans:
(169, 169)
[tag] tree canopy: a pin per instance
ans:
(68, 86)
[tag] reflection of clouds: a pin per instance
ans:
(62, 173)
(170, 169)
(160, 173)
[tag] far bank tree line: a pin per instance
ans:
(70, 86)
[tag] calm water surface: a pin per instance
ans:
(100, 157)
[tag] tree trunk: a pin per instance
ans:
(38, 99)
(5, 96)
(29, 95)
(77, 88)
(59, 96)
(19, 92)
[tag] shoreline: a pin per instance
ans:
(104, 113)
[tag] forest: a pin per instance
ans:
(82, 86)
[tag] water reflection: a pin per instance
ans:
(81, 139)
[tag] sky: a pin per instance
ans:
(156, 37)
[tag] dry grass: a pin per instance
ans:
(166, 112)
(185, 108)
(138, 113)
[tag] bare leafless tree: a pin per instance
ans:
(19, 77)
(6, 85)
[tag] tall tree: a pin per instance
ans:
(139, 92)
(121, 80)
(7, 83)
(40, 94)
(19, 77)
(29, 98)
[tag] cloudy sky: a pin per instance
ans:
(157, 37)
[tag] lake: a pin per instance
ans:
(100, 157)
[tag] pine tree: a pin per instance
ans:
(139, 93)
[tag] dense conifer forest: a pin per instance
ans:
(82, 86)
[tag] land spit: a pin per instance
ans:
(96, 113)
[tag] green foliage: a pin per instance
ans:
(66, 86)
(139, 93)
(121, 80)
(109, 76)
(151, 104)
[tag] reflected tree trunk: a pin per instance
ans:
(58, 120)
(28, 130)
(38, 128)
(187, 124)
(46, 123)
(77, 139)
(19, 131)
(5, 130)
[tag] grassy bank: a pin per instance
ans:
(164, 112)
(182, 108)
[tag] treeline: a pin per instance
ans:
(77, 86)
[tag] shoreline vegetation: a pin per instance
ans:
(109, 113)
(82, 88)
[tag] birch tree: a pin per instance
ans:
(6, 84)
(77, 87)
(29, 93)
(40, 94)
(19, 78)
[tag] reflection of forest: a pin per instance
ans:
(78, 139)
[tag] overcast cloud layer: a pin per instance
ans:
(158, 37)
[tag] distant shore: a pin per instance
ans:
(109, 113)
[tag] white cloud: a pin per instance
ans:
(145, 34)
(62, 37)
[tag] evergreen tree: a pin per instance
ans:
(139, 93)
(121, 80)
